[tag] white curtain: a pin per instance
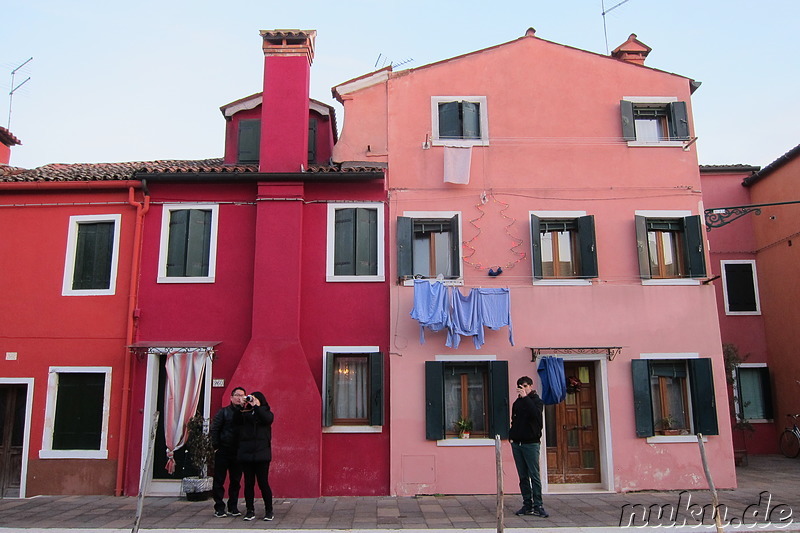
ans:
(181, 396)
(351, 375)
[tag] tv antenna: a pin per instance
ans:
(394, 64)
(13, 89)
(603, 5)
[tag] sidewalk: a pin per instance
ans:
(597, 512)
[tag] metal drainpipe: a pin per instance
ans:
(141, 211)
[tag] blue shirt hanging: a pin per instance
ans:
(551, 375)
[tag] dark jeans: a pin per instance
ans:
(225, 463)
(257, 472)
(526, 457)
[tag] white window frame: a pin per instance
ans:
(47, 451)
(484, 115)
(725, 286)
(678, 213)
(331, 350)
(553, 281)
(331, 242)
(454, 358)
(737, 393)
(443, 215)
(653, 101)
(69, 262)
(166, 211)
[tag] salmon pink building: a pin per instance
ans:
(545, 213)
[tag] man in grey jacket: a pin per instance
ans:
(225, 439)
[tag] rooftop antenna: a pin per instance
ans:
(394, 64)
(603, 5)
(13, 89)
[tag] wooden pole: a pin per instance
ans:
(148, 467)
(499, 463)
(712, 488)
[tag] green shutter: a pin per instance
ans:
(642, 401)
(455, 248)
(678, 121)
(471, 118)
(366, 242)
(642, 247)
(78, 421)
(695, 256)
(536, 247)
(587, 243)
(628, 125)
(198, 243)
(405, 247)
(449, 120)
(176, 247)
(704, 404)
(766, 391)
(344, 248)
(498, 406)
(249, 141)
(327, 399)
(434, 400)
(312, 141)
(376, 389)
(93, 254)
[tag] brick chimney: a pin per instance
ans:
(7, 140)
(288, 55)
(632, 51)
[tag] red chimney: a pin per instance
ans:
(7, 140)
(288, 55)
(632, 51)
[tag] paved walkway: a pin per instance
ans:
(768, 493)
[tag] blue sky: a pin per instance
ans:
(137, 81)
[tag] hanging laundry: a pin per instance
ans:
(430, 306)
(495, 309)
(457, 162)
(465, 318)
(551, 375)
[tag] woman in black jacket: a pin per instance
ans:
(255, 452)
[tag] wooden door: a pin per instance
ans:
(12, 427)
(571, 428)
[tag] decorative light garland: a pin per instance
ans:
(516, 242)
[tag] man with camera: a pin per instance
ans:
(225, 439)
(525, 436)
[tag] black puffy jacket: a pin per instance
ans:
(255, 433)
(224, 432)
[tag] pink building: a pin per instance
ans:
(576, 175)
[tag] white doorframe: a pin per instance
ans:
(26, 431)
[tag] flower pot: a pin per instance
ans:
(463, 435)
(197, 488)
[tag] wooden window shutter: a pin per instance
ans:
(327, 401)
(628, 125)
(704, 404)
(642, 246)
(766, 391)
(695, 256)
(312, 141)
(249, 141)
(366, 242)
(176, 246)
(455, 248)
(536, 247)
(79, 411)
(642, 401)
(471, 117)
(449, 120)
(376, 389)
(93, 251)
(405, 247)
(498, 407)
(434, 400)
(344, 242)
(587, 243)
(678, 121)
(198, 242)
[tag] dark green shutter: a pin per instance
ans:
(376, 389)
(405, 247)
(455, 248)
(249, 140)
(587, 243)
(366, 242)
(695, 256)
(344, 242)
(704, 404)
(642, 247)
(198, 243)
(678, 121)
(312, 141)
(766, 391)
(176, 247)
(434, 400)
(93, 253)
(449, 120)
(78, 422)
(536, 247)
(498, 407)
(327, 403)
(471, 117)
(642, 401)
(628, 125)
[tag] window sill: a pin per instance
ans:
(73, 454)
(185, 280)
(465, 143)
(352, 429)
(351, 279)
(455, 441)
(657, 144)
(670, 439)
(446, 282)
(562, 282)
(742, 313)
(88, 292)
(671, 281)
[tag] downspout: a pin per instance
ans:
(133, 294)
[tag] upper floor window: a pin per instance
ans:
(249, 146)
(428, 245)
(459, 120)
(355, 242)
(564, 245)
(353, 384)
(740, 287)
(188, 243)
(90, 267)
(670, 246)
(654, 120)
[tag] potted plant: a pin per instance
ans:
(200, 453)
(667, 425)
(464, 426)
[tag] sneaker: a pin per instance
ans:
(538, 510)
(525, 510)
(220, 514)
(234, 512)
(269, 516)
(250, 515)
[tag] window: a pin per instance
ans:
(312, 141)
(469, 389)
(355, 242)
(249, 146)
(753, 391)
(657, 120)
(740, 287)
(459, 121)
(76, 419)
(669, 247)
(681, 390)
(90, 267)
(188, 243)
(353, 385)
(564, 245)
(428, 245)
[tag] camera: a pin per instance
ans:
(248, 398)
